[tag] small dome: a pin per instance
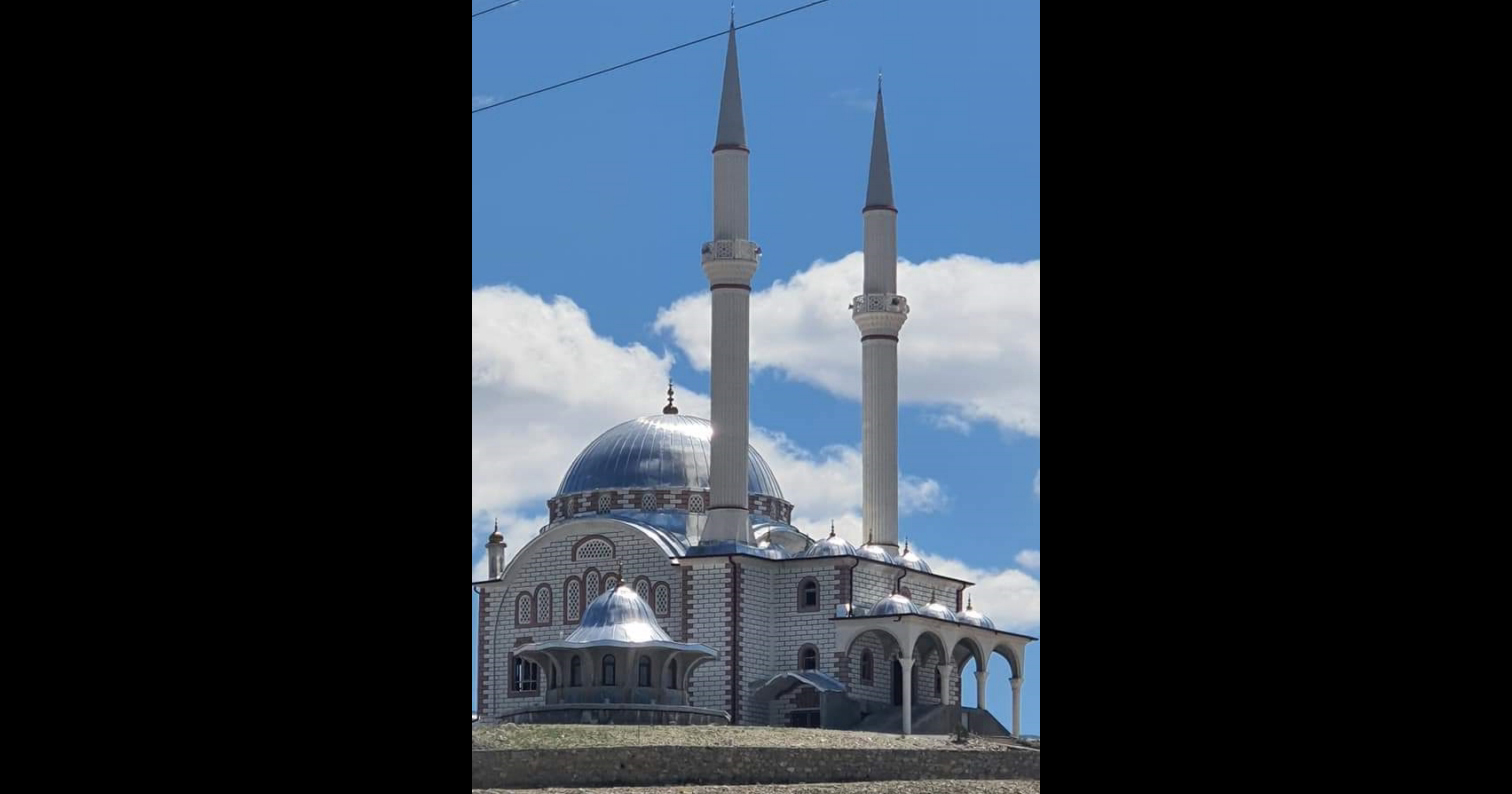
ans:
(914, 561)
(832, 546)
(619, 614)
(872, 551)
(895, 604)
(971, 617)
(496, 537)
(938, 610)
(782, 537)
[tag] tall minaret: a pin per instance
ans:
(729, 260)
(880, 314)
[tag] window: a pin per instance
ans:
(663, 598)
(554, 677)
(808, 658)
(672, 674)
(907, 593)
(603, 503)
(592, 579)
(866, 666)
(808, 595)
(574, 600)
(937, 684)
(648, 501)
(524, 610)
(643, 589)
(576, 672)
(543, 605)
(526, 676)
(696, 503)
(610, 582)
(643, 675)
(593, 548)
(607, 679)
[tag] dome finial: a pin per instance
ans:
(832, 527)
(670, 408)
(968, 602)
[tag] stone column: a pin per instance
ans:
(907, 663)
(981, 689)
(944, 672)
(1017, 683)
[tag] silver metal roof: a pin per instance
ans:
(822, 682)
(879, 180)
(971, 617)
(872, 551)
(620, 615)
(914, 561)
(895, 604)
(657, 451)
(832, 546)
(935, 610)
(781, 536)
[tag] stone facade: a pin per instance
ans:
(750, 610)
(561, 508)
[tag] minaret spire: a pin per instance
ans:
(879, 313)
(730, 260)
(731, 132)
(879, 180)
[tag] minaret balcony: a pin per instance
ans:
(731, 249)
(879, 313)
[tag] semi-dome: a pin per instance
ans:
(657, 451)
(619, 615)
(832, 546)
(971, 617)
(895, 604)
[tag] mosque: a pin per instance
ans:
(669, 587)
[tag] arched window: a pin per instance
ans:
(937, 684)
(808, 595)
(554, 684)
(607, 679)
(643, 589)
(611, 581)
(672, 674)
(543, 605)
(866, 666)
(696, 503)
(591, 584)
(808, 658)
(603, 503)
(663, 597)
(907, 593)
(574, 600)
(524, 610)
(648, 501)
(643, 675)
(575, 676)
(593, 548)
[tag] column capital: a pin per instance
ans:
(1017, 682)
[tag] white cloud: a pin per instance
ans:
(1028, 559)
(971, 345)
(951, 422)
(1009, 596)
(479, 100)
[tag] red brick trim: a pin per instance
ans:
(746, 287)
(584, 539)
(735, 599)
(879, 336)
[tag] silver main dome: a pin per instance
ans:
(658, 451)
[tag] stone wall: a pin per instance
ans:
(708, 582)
(664, 766)
(547, 561)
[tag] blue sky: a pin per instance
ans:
(599, 193)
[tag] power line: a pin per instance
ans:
(648, 57)
(495, 8)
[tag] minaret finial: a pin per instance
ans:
(968, 603)
(670, 408)
(832, 527)
(732, 15)
(496, 523)
(879, 79)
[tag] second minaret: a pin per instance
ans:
(729, 262)
(879, 314)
